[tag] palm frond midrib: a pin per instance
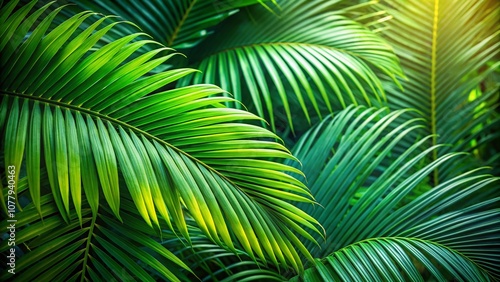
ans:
(87, 247)
(175, 33)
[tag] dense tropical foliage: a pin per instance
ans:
(132, 165)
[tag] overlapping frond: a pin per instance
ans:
(349, 157)
(177, 24)
(210, 262)
(102, 128)
(309, 60)
(98, 247)
(447, 49)
(372, 230)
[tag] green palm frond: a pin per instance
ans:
(395, 259)
(177, 24)
(346, 156)
(449, 231)
(96, 247)
(447, 50)
(102, 128)
(310, 60)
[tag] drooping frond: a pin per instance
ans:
(102, 128)
(310, 60)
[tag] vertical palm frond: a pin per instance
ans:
(448, 49)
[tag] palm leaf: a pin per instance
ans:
(373, 232)
(98, 124)
(310, 60)
(96, 247)
(394, 259)
(177, 24)
(447, 50)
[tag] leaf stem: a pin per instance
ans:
(181, 22)
(433, 88)
(87, 247)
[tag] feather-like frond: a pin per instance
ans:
(102, 127)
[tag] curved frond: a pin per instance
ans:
(447, 49)
(395, 259)
(101, 128)
(311, 59)
(177, 24)
(372, 230)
